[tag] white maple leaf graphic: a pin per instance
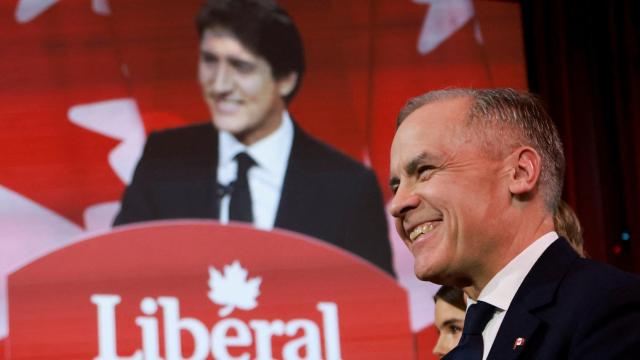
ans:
(27, 10)
(444, 18)
(119, 119)
(29, 231)
(232, 290)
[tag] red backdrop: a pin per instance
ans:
(82, 81)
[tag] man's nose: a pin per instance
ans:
(223, 79)
(440, 349)
(403, 201)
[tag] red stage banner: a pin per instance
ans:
(196, 290)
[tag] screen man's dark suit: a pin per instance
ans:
(572, 308)
(325, 194)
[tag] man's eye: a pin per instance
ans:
(208, 58)
(243, 67)
(454, 329)
(425, 170)
(394, 189)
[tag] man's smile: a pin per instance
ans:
(423, 229)
(225, 105)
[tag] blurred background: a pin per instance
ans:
(83, 81)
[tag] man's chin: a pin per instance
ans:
(433, 272)
(230, 124)
(425, 272)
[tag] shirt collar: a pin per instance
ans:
(268, 153)
(501, 289)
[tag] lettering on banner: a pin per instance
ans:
(232, 291)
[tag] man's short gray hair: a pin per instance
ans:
(498, 114)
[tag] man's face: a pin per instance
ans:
(239, 88)
(449, 320)
(448, 193)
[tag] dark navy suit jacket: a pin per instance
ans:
(571, 308)
(325, 194)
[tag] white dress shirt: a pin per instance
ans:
(501, 289)
(266, 178)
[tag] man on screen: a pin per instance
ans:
(252, 163)
(476, 177)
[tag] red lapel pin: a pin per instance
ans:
(519, 342)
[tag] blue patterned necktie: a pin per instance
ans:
(470, 346)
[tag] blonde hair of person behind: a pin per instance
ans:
(567, 225)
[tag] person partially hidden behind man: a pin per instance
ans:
(476, 177)
(252, 163)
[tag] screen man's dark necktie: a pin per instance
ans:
(470, 346)
(240, 203)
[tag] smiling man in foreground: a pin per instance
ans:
(476, 175)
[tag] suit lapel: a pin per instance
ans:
(294, 195)
(210, 176)
(193, 188)
(515, 333)
(521, 325)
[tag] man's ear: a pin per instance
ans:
(527, 166)
(287, 83)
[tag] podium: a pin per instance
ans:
(198, 289)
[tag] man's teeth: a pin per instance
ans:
(422, 229)
(227, 105)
